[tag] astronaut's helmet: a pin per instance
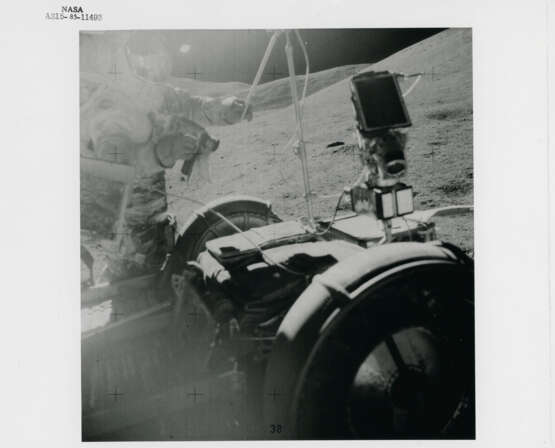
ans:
(143, 53)
(149, 55)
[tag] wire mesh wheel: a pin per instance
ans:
(395, 363)
(206, 225)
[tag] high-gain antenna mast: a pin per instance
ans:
(300, 144)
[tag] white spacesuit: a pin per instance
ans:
(128, 116)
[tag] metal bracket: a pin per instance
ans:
(336, 291)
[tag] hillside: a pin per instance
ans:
(276, 94)
(270, 95)
(252, 158)
(206, 88)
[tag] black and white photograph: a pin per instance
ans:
(277, 234)
(320, 223)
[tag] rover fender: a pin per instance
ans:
(296, 401)
(244, 211)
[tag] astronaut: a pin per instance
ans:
(129, 115)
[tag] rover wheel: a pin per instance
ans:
(397, 362)
(205, 225)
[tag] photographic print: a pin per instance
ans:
(277, 234)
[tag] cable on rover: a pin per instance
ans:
(327, 229)
(264, 256)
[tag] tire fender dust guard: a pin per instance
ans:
(323, 300)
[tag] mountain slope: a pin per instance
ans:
(276, 94)
(270, 95)
(252, 159)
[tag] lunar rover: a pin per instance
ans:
(356, 326)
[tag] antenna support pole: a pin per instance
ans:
(300, 137)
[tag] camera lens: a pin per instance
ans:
(396, 167)
(394, 162)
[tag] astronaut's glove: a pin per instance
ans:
(233, 110)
